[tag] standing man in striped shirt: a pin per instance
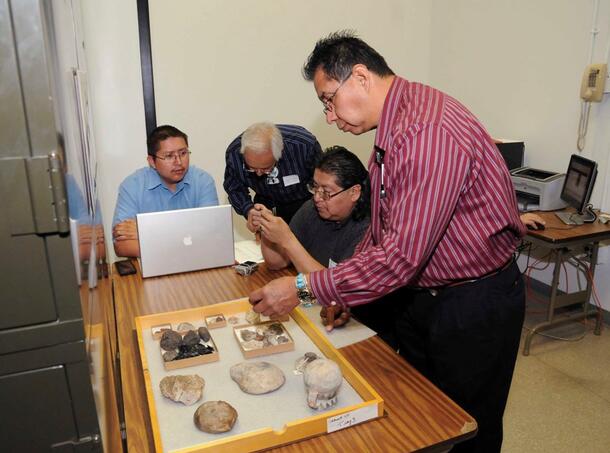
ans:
(276, 162)
(444, 226)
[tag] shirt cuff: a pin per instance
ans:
(247, 210)
(322, 285)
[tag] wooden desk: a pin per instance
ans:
(566, 242)
(419, 416)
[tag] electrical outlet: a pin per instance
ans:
(607, 86)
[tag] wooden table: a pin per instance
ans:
(419, 416)
(567, 242)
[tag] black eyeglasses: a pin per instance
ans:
(328, 100)
(265, 171)
(323, 194)
(379, 155)
(182, 154)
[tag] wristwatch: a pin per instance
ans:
(303, 294)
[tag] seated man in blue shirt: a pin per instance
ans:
(167, 183)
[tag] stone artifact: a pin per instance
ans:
(185, 326)
(215, 417)
(247, 334)
(274, 329)
(190, 338)
(187, 351)
(204, 334)
(258, 377)
(168, 356)
(183, 389)
(301, 363)
(322, 378)
(253, 317)
(170, 340)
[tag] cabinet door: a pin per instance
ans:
(32, 204)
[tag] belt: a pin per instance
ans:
(434, 290)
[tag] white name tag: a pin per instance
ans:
(351, 418)
(291, 180)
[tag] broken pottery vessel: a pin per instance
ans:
(322, 379)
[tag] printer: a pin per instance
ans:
(538, 189)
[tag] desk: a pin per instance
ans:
(566, 241)
(419, 416)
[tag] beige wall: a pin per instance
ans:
(218, 69)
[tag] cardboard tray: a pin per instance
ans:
(259, 352)
(330, 420)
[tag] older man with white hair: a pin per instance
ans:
(276, 162)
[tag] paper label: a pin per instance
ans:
(351, 418)
(291, 180)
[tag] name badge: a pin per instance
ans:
(291, 180)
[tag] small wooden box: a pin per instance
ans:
(157, 331)
(265, 348)
(192, 361)
(216, 321)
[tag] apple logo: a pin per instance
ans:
(188, 240)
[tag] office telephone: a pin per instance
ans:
(593, 82)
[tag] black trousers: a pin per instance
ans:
(465, 339)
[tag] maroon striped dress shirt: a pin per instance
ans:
(450, 211)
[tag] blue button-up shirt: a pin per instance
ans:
(144, 191)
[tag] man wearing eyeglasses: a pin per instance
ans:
(276, 162)
(168, 183)
(444, 227)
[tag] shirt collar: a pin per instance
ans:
(396, 99)
(153, 180)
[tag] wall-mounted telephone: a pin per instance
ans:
(593, 81)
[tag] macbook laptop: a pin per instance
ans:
(185, 240)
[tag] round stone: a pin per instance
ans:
(190, 338)
(204, 334)
(168, 356)
(258, 377)
(185, 326)
(215, 417)
(170, 340)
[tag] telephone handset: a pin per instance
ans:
(593, 81)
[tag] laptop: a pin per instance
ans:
(185, 240)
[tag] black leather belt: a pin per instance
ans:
(434, 290)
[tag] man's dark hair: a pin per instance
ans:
(339, 52)
(161, 133)
(348, 171)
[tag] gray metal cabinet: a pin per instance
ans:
(45, 380)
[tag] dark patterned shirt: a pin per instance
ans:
(295, 170)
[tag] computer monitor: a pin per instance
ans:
(512, 152)
(577, 189)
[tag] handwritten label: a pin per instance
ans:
(351, 418)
